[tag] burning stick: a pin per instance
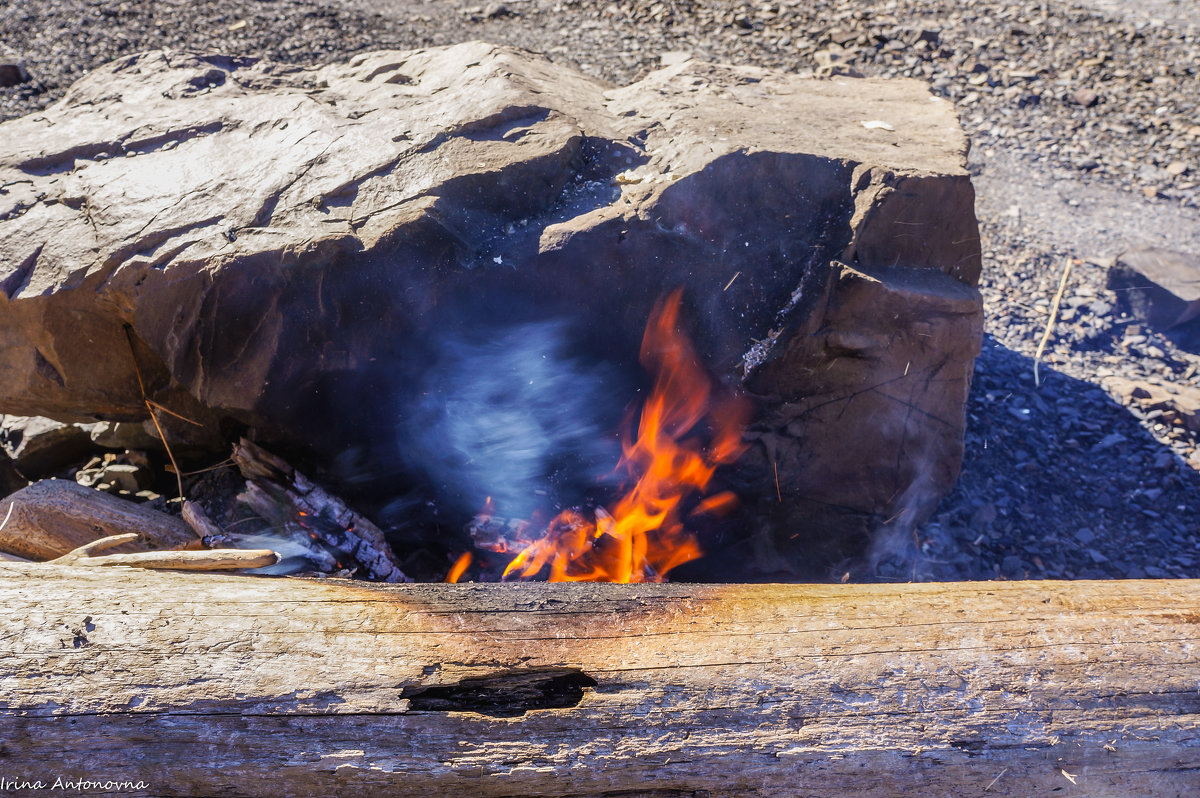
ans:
(213, 560)
(291, 501)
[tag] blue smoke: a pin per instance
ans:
(512, 415)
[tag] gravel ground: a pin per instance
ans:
(1085, 129)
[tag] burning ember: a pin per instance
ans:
(643, 537)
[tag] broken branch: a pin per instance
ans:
(211, 560)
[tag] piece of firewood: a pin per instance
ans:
(200, 684)
(195, 517)
(301, 510)
(203, 560)
(55, 516)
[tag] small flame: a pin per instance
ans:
(459, 568)
(643, 537)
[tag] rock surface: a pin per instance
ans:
(38, 446)
(1177, 405)
(283, 248)
(1158, 286)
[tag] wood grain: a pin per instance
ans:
(214, 685)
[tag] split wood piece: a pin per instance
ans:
(291, 501)
(211, 560)
(195, 517)
(55, 516)
(313, 687)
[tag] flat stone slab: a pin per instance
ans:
(1158, 286)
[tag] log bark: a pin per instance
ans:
(194, 684)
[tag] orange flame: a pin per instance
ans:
(643, 538)
(459, 568)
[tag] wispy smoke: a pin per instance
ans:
(514, 416)
(294, 555)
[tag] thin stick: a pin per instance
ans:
(1037, 356)
(150, 409)
(226, 463)
(207, 560)
(778, 493)
(97, 546)
(7, 515)
(170, 412)
(163, 437)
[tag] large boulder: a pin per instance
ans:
(297, 250)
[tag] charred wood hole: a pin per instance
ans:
(509, 694)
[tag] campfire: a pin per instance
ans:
(684, 432)
(411, 288)
(673, 444)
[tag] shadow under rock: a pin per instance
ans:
(1058, 481)
(1186, 336)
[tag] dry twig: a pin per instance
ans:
(1037, 356)
(150, 409)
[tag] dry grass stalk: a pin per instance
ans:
(1062, 286)
(150, 409)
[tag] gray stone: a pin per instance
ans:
(124, 435)
(1178, 404)
(1157, 286)
(40, 446)
(1012, 567)
(117, 476)
(288, 247)
(12, 73)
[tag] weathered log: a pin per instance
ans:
(55, 516)
(208, 685)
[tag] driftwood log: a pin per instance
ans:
(54, 516)
(191, 684)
